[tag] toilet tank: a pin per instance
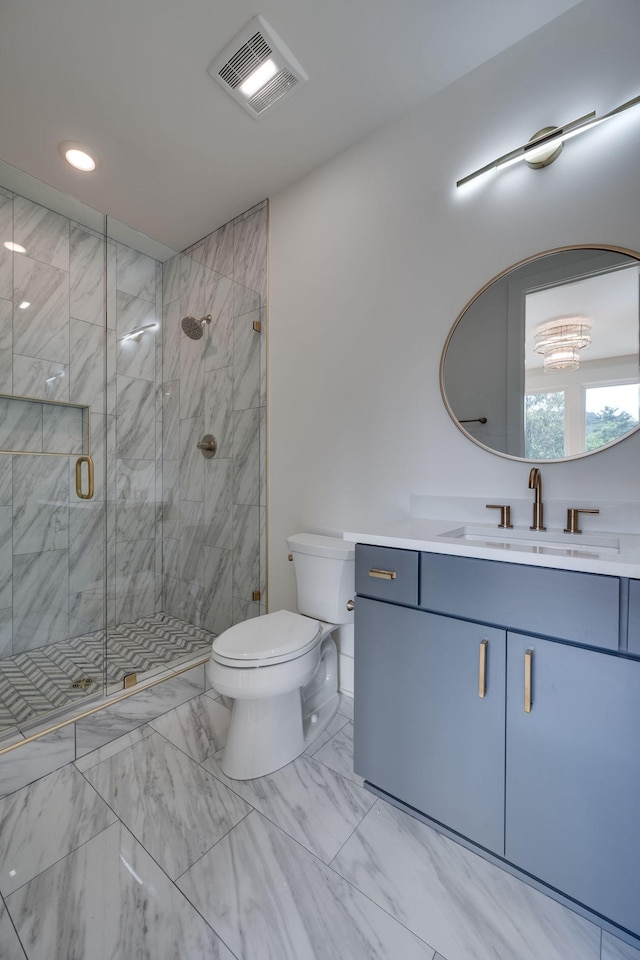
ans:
(325, 576)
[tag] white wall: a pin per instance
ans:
(373, 256)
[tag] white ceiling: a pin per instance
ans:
(178, 156)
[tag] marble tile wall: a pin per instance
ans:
(214, 510)
(57, 553)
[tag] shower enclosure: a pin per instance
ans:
(124, 544)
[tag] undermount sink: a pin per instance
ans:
(535, 541)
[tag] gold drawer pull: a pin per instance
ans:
(89, 462)
(383, 574)
(528, 697)
(482, 671)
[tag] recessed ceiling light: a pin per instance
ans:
(24, 305)
(78, 156)
(14, 247)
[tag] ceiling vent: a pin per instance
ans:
(258, 69)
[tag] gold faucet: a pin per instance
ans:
(535, 483)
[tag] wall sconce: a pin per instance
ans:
(545, 145)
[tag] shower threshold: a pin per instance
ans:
(38, 686)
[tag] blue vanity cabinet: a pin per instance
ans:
(423, 733)
(573, 774)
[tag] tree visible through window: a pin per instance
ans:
(544, 425)
(607, 425)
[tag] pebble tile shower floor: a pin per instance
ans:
(143, 849)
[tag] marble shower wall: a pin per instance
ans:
(54, 548)
(214, 510)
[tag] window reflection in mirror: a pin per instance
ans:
(548, 352)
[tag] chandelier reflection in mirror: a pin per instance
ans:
(560, 341)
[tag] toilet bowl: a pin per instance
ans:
(281, 669)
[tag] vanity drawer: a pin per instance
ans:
(385, 573)
(579, 607)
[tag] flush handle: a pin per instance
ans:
(482, 669)
(382, 574)
(528, 689)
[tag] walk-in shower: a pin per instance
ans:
(100, 592)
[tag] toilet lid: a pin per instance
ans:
(263, 638)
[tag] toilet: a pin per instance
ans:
(281, 669)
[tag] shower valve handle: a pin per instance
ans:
(208, 445)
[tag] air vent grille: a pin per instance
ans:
(273, 90)
(254, 52)
(255, 46)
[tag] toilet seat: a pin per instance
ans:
(264, 641)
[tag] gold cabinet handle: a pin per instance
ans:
(482, 670)
(382, 574)
(89, 462)
(528, 696)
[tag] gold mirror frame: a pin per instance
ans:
(610, 248)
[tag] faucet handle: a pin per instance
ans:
(505, 514)
(573, 518)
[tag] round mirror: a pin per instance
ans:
(543, 362)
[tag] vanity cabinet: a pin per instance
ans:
(573, 774)
(552, 790)
(423, 733)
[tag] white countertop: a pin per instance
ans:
(614, 554)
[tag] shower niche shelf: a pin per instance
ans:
(44, 427)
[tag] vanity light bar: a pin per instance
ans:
(548, 141)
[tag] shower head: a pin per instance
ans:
(195, 328)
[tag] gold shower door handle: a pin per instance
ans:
(89, 462)
(482, 669)
(528, 664)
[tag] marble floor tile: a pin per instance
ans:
(337, 754)
(46, 821)
(109, 899)
(99, 729)
(10, 948)
(198, 728)
(467, 908)
(268, 897)
(345, 707)
(614, 949)
(171, 805)
(336, 724)
(36, 759)
(314, 805)
(114, 746)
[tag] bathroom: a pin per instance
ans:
(386, 254)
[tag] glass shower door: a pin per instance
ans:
(52, 412)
